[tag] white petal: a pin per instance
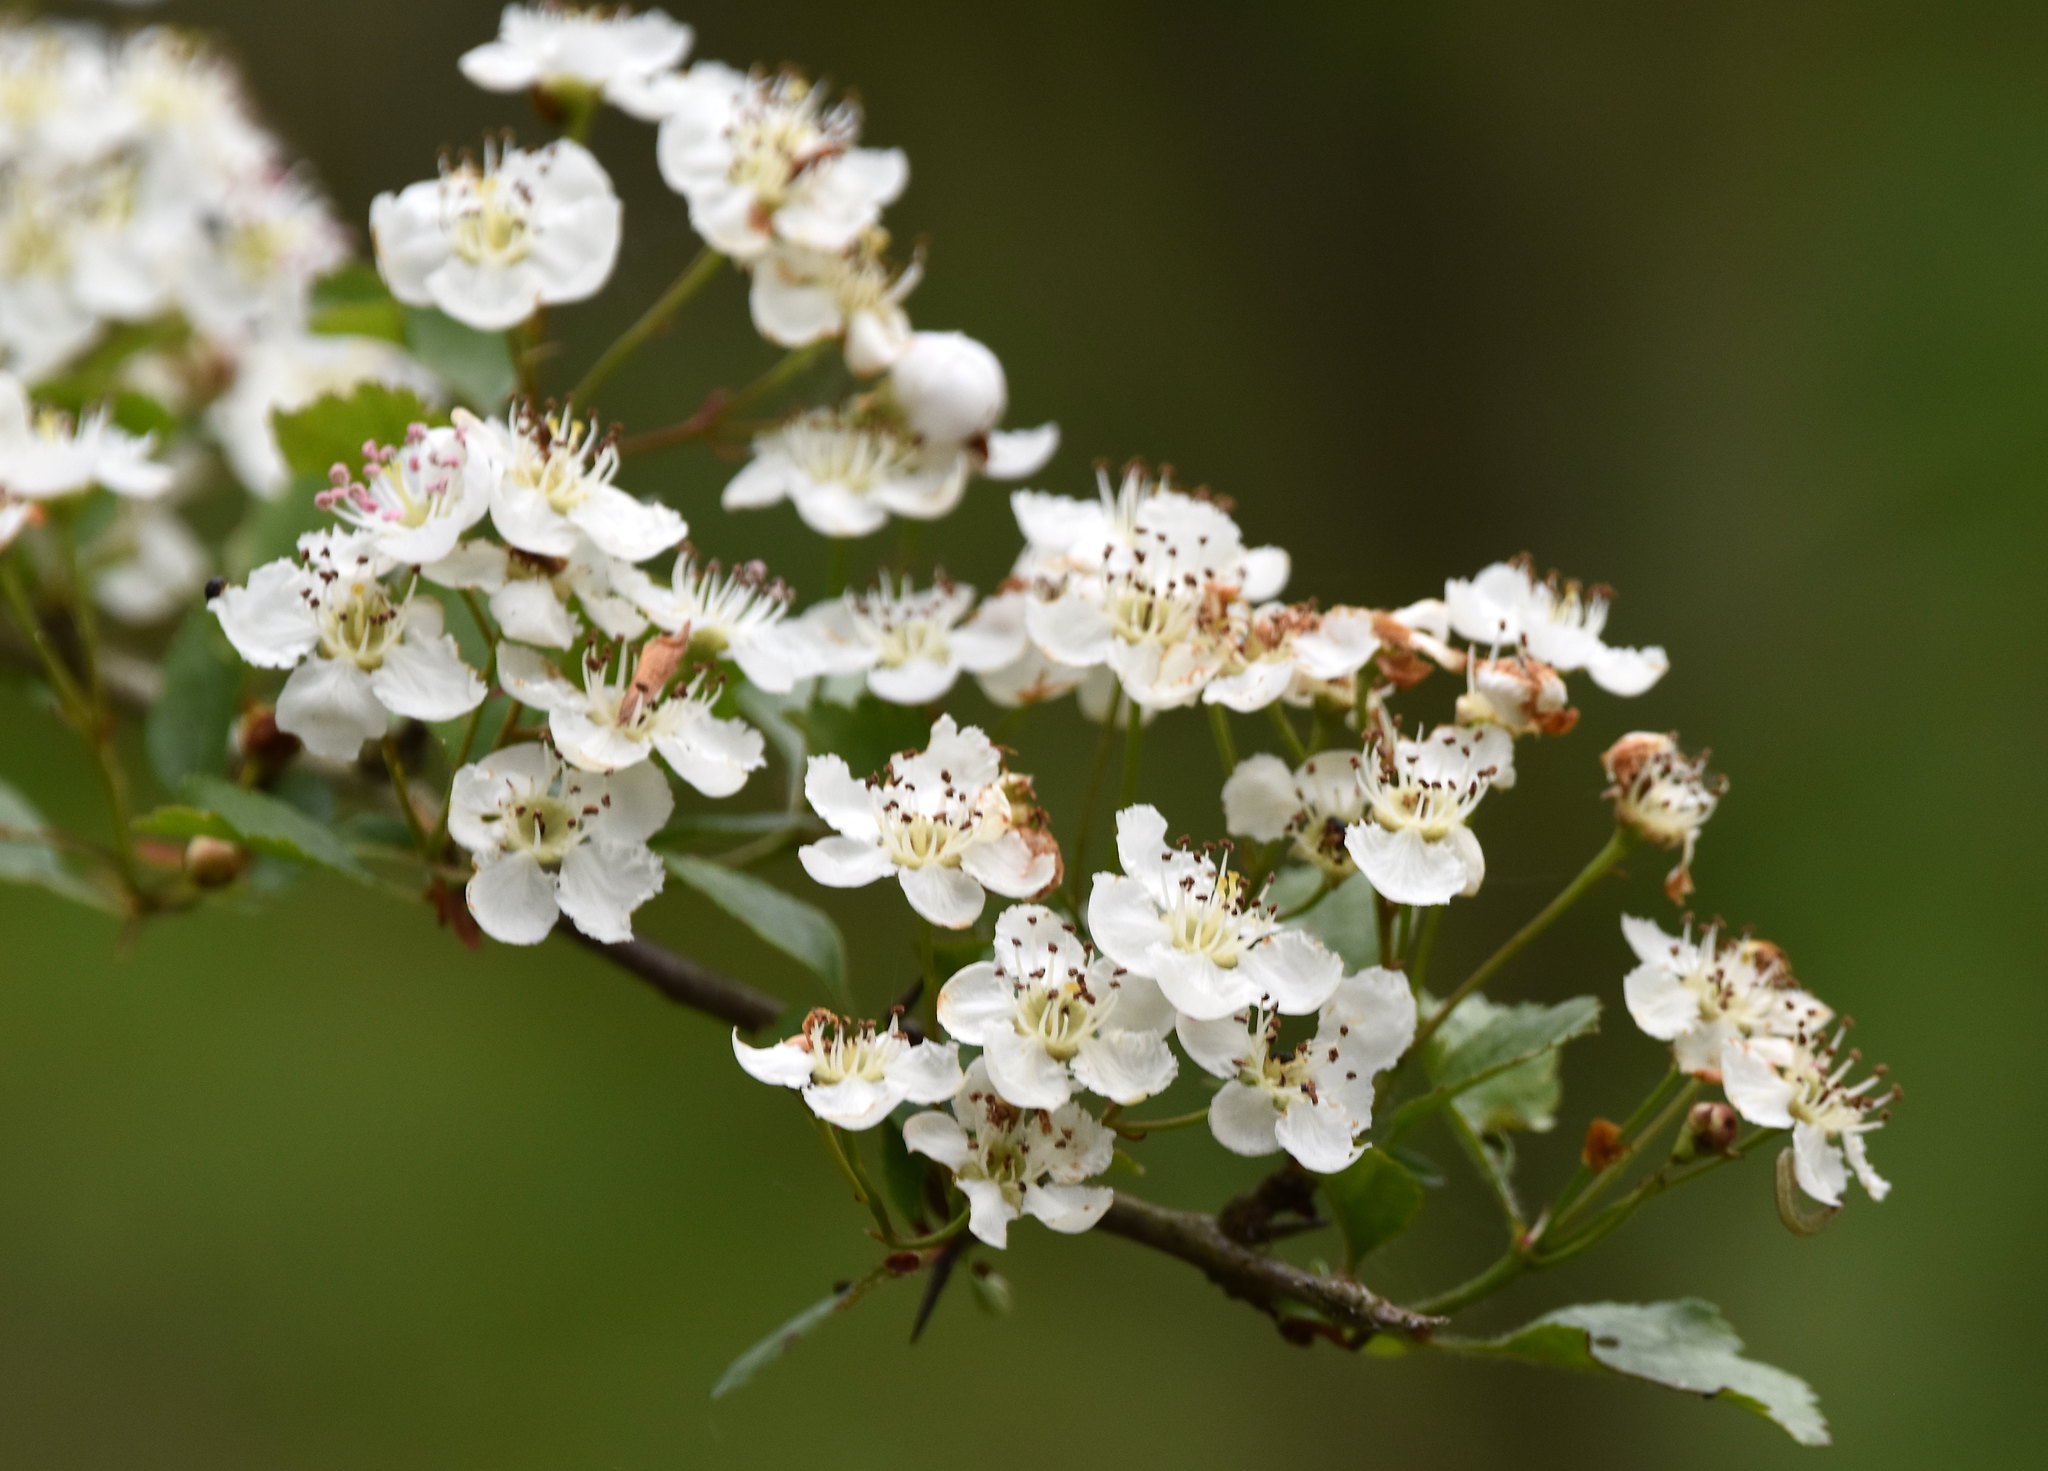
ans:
(529, 611)
(1818, 1164)
(629, 529)
(977, 999)
(937, 1136)
(852, 1103)
(1318, 1135)
(425, 678)
(268, 621)
(1221, 1046)
(513, 901)
(1266, 571)
(1024, 1072)
(639, 806)
(1244, 1120)
(328, 704)
(1068, 1208)
(1124, 919)
(845, 803)
(1259, 800)
(1295, 971)
(1652, 945)
(917, 682)
(1859, 1160)
(782, 1063)
(1016, 453)
(1627, 672)
(1196, 985)
(1755, 1087)
(1141, 845)
(989, 1211)
(947, 897)
(602, 884)
(1403, 867)
(714, 755)
(1125, 1067)
(1009, 866)
(844, 863)
(927, 1072)
(1660, 1003)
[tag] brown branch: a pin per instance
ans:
(685, 982)
(1267, 1283)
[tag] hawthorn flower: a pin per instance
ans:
(491, 243)
(1196, 928)
(910, 644)
(286, 372)
(799, 296)
(358, 653)
(1315, 804)
(762, 159)
(853, 1073)
(1520, 694)
(1802, 1087)
(1048, 1015)
(531, 595)
(1012, 1162)
(608, 51)
(1414, 844)
(1699, 995)
(267, 239)
(549, 840)
(414, 501)
(736, 615)
(846, 476)
(1315, 1103)
(1298, 654)
(1663, 796)
(550, 487)
(625, 712)
(46, 455)
(147, 565)
(939, 820)
(1505, 605)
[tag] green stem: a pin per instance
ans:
(1296, 752)
(939, 1237)
(68, 693)
(1226, 748)
(1489, 1170)
(1418, 963)
(1646, 1190)
(688, 284)
(395, 765)
(1603, 862)
(1322, 892)
(855, 1177)
(96, 718)
(715, 410)
(1673, 1105)
(1139, 1128)
(1581, 1177)
(1512, 1264)
(1134, 740)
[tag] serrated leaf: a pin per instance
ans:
(790, 1334)
(186, 731)
(1511, 1037)
(37, 864)
(801, 931)
(1374, 1200)
(1524, 1097)
(270, 826)
(864, 734)
(1685, 1345)
(476, 365)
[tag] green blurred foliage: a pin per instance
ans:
(1742, 307)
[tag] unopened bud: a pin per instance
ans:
(261, 743)
(951, 387)
(214, 863)
(992, 1291)
(1710, 1129)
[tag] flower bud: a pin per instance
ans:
(260, 743)
(1710, 1128)
(951, 387)
(214, 863)
(992, 1291)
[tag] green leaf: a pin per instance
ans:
(187, 730)
(1374, 1201)
(785, 1338)
(865, 734)
(37, 864)
(178, 821)
(799, 930)
(1345, 921)
(90, 379)
(267, 825)
(476, 365)
(354, 302)
(1479, 1034)
(904, 1174)
(1506, 1037)
(1685, 1345)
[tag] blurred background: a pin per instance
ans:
(1742, 308)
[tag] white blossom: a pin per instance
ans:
(608, 50)
(910, 644)
(414, 500)
(492, 242)
(1505, 605)
(1700, 994)
(847, 475)
(550, 840)
(799, 296)
(1314, 804)
(938, 820)
(1049, 1015)
(1197, 929)
(358, 653)
(736, 615)
(1802, 1086)
(147, 566)
(1663, 796)
(625, 712)
(852, 1074)
(46, 455)
(535, 599)
(762, 159)
(550, 487)
(1414, 844)
(1317, 1101)
(249, 271)
(1012, 1162)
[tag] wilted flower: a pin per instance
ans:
(1663, 796)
